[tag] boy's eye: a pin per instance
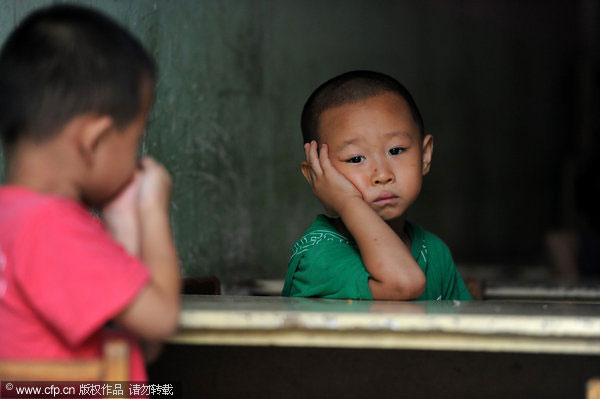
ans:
(396, 150)
(355, 159)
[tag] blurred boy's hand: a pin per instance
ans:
(331, 188)
(159, 299)
(148, 192)
(155, 187)
(121, 217)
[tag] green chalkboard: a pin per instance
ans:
(234, 76)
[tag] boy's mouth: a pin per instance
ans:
(385, 198)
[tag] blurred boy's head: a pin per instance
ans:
(68, 63)
(375, 137)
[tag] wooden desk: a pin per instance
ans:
(519, 291)
(270, 347)
(438, 325)
(498, 290)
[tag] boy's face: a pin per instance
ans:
(377, 146)
(116, 157)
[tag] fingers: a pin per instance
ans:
(148, 163)
(151, 166)
(313, 158)
(324, 159)
(133, 186)
(317, 162)
(155, 185)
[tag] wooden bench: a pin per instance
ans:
(113, 366)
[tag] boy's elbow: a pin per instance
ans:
(170, 327)
(401, 289)
(165, 315)
(409, 287)
(417, 289)
(151, 316)
(171, 319)
(165, 325)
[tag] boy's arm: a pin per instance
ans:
(153, 312)
(394, 273)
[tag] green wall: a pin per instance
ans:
(234, 76)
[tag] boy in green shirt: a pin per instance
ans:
(366, 155)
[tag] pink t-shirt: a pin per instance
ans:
(62, 278)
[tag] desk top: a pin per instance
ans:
(446, 325)
(544, 291)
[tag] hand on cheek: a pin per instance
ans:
(329, 186)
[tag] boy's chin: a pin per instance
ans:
(95, 203)
(99, 200)
(390, 215)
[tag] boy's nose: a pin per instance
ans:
(382, 175)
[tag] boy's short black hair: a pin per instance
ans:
(65, 60)
(351, 87)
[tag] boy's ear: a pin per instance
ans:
(91, 131)
(306, 171)
(427, 152)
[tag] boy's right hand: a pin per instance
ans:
(121, 216)
(147, 193)
(155, 186)
(153, 314)
(331, 187)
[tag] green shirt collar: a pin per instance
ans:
(418, 249)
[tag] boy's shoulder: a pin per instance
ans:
(325, 263)
(20, 206)
(27, 206)
(322, 234)
(321, 231)
(29, 219)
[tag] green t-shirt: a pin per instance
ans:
(326, 264)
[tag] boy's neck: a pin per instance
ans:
(46, 168)
(397, 225)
